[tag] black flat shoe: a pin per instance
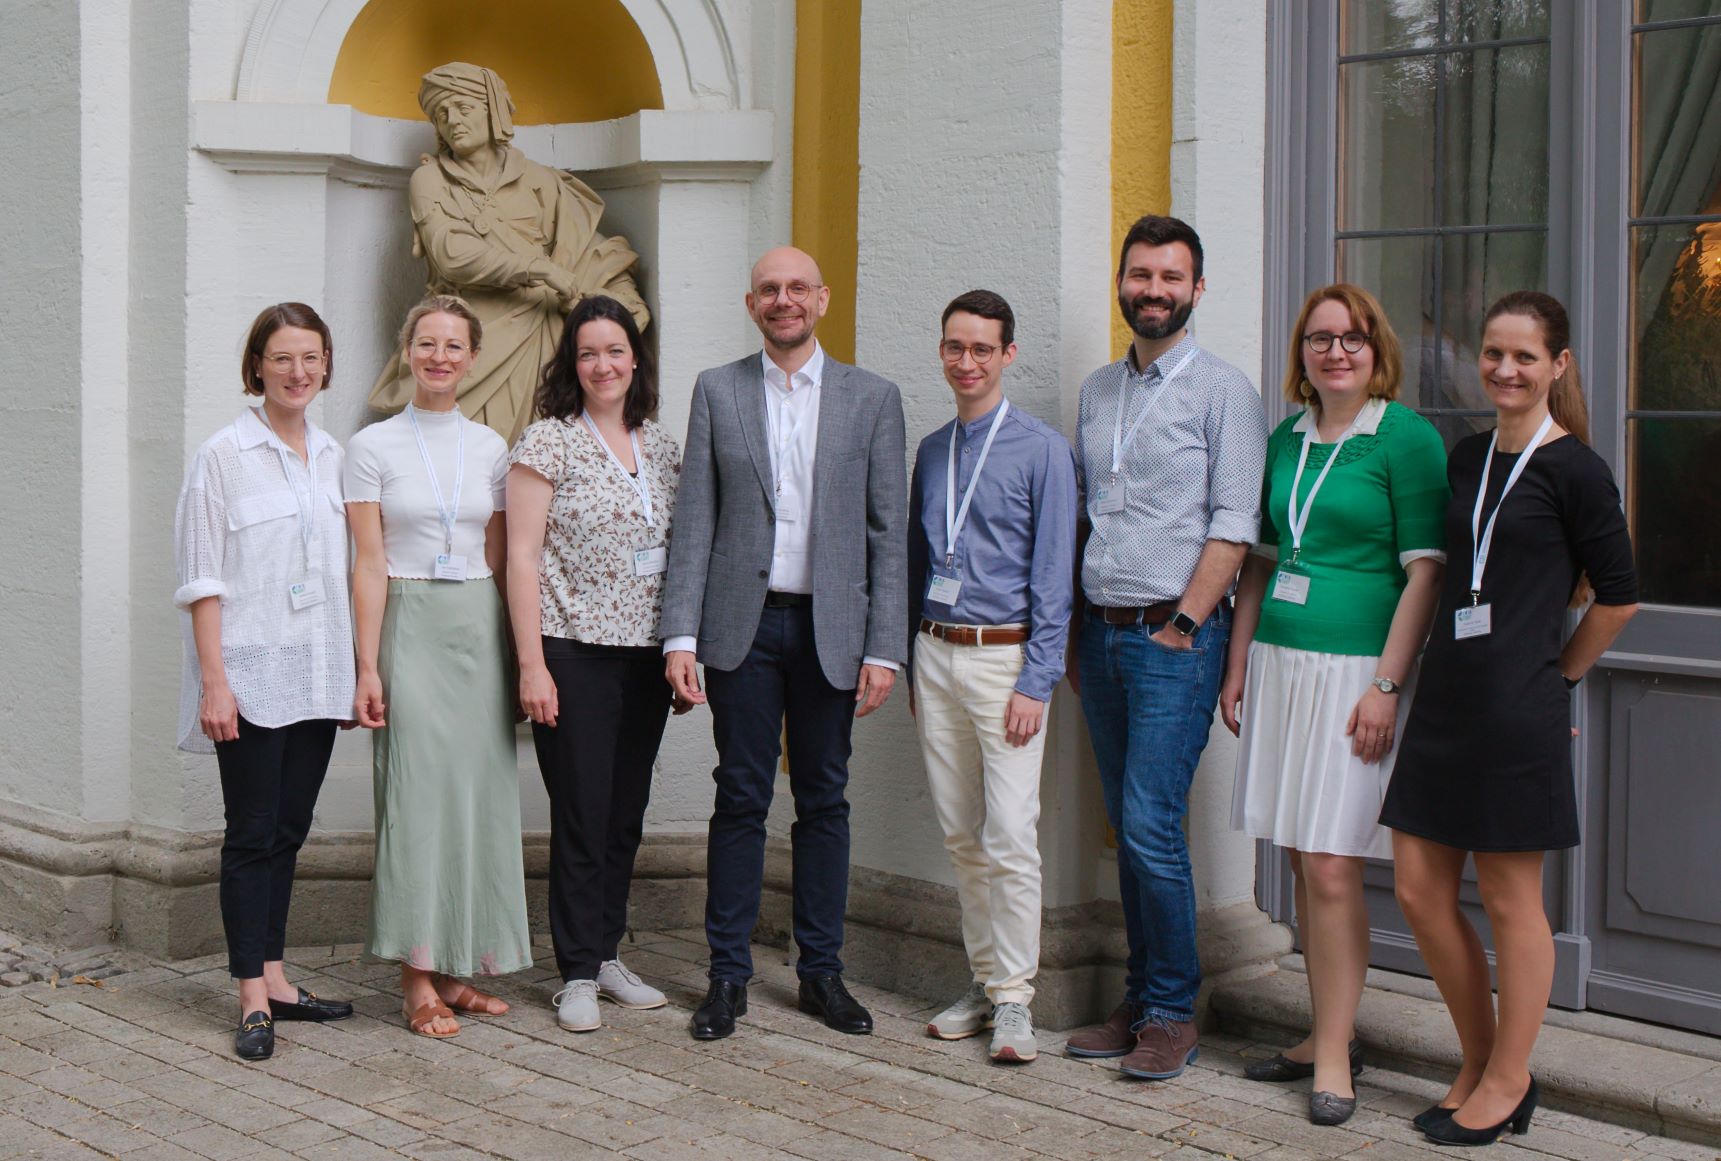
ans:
(255, 1039)
(310, 1006)
(1280, 1068)
(724, 1003)
(825, 997)
(1327, 1108)
(1429, 1115)
(1450, 1132)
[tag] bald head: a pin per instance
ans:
(786, 264)
(786, 299)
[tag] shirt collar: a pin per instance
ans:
(975, 426)
(1367, 420)
(1161, 366)
(250, 430)
(811, 374)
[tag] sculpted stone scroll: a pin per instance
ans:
(515, 239)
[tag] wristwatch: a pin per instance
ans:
(1386, 685)
(1184, 623)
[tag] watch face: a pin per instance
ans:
(1185, 624)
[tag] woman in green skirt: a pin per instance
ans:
(425, 500)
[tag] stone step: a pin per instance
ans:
(1650, 1088)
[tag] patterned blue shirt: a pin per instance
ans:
(1191, 474)
(1016, 552)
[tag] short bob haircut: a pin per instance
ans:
(984, 304)
(442, 304)
(272, 319)
(1368, 317)
(560, 396)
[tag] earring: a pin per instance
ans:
(1306, 391)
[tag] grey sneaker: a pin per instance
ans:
(966, 1017)
(620, 986)
(577, 1006)
(1013, 1034)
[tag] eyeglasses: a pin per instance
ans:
(283, 364)
(953, 351)
(768, 292)
(430, 348)
(1320, 342)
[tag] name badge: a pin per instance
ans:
(450, 566)
(650, 561)
(1474, 621)
(306, 593)
(1110, 496)
(1291, 587)
(943, 589)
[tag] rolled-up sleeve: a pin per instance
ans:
(1051, 577)
(200, 538)
(1237, 435)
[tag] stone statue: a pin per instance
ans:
(515, 239)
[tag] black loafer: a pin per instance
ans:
(311, 1007)
(724, 1003)
(255, 1039)
(1278, 1068)
(825, 996)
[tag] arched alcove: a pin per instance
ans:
(564, 63)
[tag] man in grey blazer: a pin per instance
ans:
(787, 575)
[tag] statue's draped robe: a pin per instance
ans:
(488, 244)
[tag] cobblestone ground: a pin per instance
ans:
(138, 1064)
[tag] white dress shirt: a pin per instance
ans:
(239, 534)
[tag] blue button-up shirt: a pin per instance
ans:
(1016, 553)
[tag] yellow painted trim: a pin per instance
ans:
(1140, 123)
(563, 62)
(825, 214)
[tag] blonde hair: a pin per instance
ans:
(442, 304)
(1367, 315)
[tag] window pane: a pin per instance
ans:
(1496, 154)
(1675, 507)
(1678, 116)
(1453, 428)
(1399, 272)
(1476, 270)
(1473, 20)
(1373, 26)
(1649, 11)
(1676, 317)
(1386, 135)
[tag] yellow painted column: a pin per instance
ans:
(827, 155)
(1140, 122)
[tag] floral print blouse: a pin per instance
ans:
(588, 587)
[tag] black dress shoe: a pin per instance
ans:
(255, 1039)
(310, 1007)
(826, 997)
(1280, 1068)
(724, 1003)
(1450, 1132)
(1429, 1115)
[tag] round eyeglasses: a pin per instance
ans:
(1320, 342)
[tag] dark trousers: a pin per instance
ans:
(269, 784)
(596, 762)
(780, 679)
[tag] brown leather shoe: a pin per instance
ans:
(1162, 1049)
(1116, 1037)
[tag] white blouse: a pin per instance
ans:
(385, 465)
(238, 535)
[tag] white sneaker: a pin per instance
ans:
(577, 1006)
(620, 986)
(1013, 1034)
(966, 1017)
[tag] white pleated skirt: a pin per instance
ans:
(1298, 784)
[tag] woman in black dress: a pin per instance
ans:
(1485, 766)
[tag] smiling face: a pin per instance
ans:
(1518, 370)
(1339, 377)
(604, 361)
(463, 123)
(440, 353)
(779, 278)
(293, 368)
(976, 382)
(1158, 289)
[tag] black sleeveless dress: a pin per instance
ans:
(1485, 763)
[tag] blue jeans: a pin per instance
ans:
(1149, 710)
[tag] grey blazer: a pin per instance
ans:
(720, 555)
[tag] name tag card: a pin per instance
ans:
(1109, 497)
(306, 593)
(450, 567)
(650, 561)
(1290, 587)
(1475, 621)
(944, 589)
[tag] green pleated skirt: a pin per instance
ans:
(450, 887)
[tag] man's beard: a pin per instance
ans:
(1138, 323)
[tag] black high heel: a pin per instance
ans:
(1435, 1112)
(1450, 1132)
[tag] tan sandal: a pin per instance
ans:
(421, 1020)
(470, 999)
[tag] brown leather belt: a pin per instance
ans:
(973, 635)
(1134, 614)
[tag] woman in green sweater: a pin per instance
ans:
(1332, 608)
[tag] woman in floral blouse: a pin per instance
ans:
(590, 495)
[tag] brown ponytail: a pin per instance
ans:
(1566, 398)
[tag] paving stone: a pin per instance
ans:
(14, 979)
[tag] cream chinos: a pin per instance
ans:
(987, 796)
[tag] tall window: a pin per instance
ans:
(1442, 181)
(1673, 415)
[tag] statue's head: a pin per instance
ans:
(470, 107)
